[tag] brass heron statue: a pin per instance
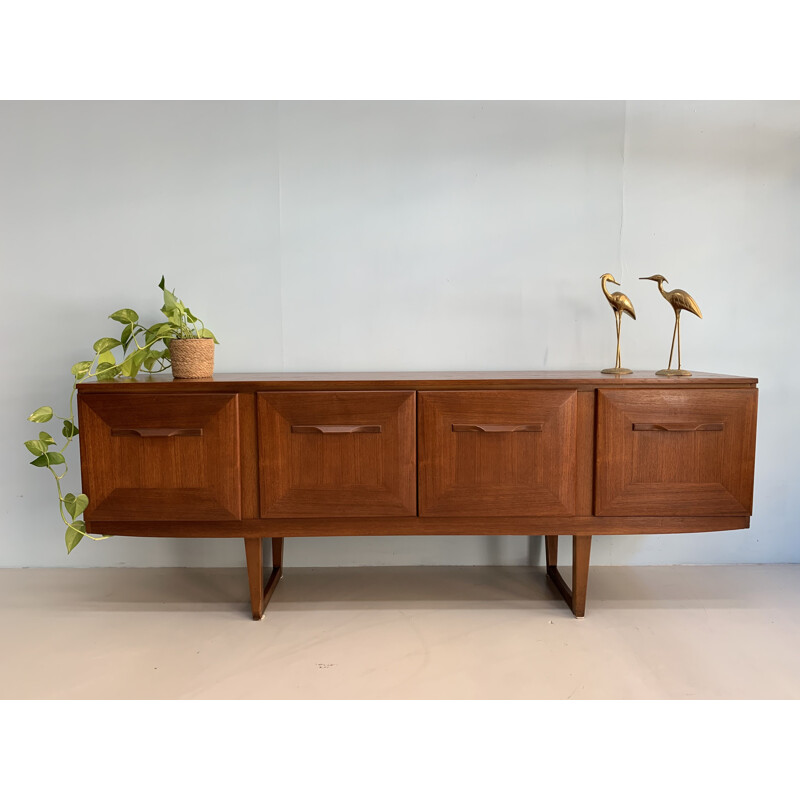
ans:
(622, 305)
(680, 301)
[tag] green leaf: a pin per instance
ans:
(125, 336)
(43, 414)
(138, 359)
(107, 373)
(131, 366)
(36, 446)
(170, 301)
(47, 459)
(69, 429)
(73, 537)
(81, 503)
(76, 505)
(105, 367)
(205, 333)
(191, 317)
(156, 332)
(126, 368)
(125, 315)
(81, 368)
(105, 344)
(46, 439)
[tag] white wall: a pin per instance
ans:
(390, 235)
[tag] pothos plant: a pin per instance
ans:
(138, 349)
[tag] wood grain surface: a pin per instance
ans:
(675, 452)
(160, 477)
(365, 469)
(443, 380)
(424, 526)
(497, 453)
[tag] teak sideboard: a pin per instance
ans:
(261, 456)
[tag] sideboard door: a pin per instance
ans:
(337, 454)
(675, 452)
(165, 457)
(497, 453)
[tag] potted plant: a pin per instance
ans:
(191, 344)
(138, 349)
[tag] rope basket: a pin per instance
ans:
(192, 358)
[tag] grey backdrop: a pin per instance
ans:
(403, 235)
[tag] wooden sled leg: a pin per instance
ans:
(581, 548)
(260, 594)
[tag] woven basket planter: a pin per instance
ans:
(192, 358)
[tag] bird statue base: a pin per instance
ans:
(673, 373)
(617, 371)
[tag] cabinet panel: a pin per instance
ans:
(675, 452)
(497, 453)
(160, 457)
(337, 454)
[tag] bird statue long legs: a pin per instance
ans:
(620, 304)
(680, 301)
(618, 317)
(676, 330)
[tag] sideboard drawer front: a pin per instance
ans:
(337, 454)
(497, 453)
(675, 452)
(162, 457)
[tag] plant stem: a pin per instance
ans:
(61, 511)
(71, 418)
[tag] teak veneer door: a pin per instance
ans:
(164, 457)
(497, 453)
(675, 452)
(337, 454)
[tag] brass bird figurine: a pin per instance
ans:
(621, 304)
(680, 301)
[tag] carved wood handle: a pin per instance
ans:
(336, 428)
(150, 433)
(679, 427)
(529, 427)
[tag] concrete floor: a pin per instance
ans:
(393, 633)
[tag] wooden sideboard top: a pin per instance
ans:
(323, 381)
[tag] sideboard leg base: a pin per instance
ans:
(259, 593)
(581, 548)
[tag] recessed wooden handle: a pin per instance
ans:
(336, 428)
(150, 433)
(678, 427)
(528, 427)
